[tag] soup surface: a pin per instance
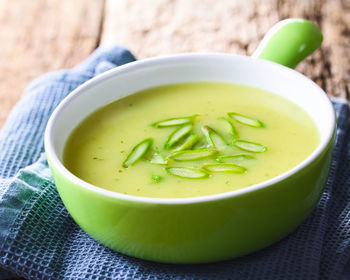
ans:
(98, 147)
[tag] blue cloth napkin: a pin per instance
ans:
(39, 239)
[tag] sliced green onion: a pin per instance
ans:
(192, 154)
(158, 158)
(214, 139)
(177, 135)
(231, 128)
(157, 178)
(187, 173)
(249, 146)
(138, 152)
(224, 168)
(201, 144)
(188, 142)
(237, 156)
(246, 120)
(174, 121)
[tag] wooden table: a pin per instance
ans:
(38, 36)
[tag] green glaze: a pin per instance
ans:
(289, 42)
(209, 231)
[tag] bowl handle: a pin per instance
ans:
(289, 41)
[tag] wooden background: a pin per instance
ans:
(38, 36)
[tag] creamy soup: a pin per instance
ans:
(189, 140)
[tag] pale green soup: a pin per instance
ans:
(97, 148)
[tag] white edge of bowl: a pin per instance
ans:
(49, 149)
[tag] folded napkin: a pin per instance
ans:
(39, 239)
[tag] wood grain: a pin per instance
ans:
(38, 36)
(156, 27)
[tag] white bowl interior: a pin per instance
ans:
(140, 75)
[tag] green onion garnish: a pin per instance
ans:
(157, 178)
(188, 173)
(192, 154)
(188, 142)
(230, 127)
(138, 152)
(214, 139)
(249, 146)
(237, 156)
(177, 135)
(182, 143)
(158, 158)
(246, 120)
(224, 168)
(175, 121)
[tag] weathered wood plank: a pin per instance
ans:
(156, 27)
(38, 36)
(330, 66)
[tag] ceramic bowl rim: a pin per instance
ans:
(149, 62)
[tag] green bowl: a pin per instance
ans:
(199, 229)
